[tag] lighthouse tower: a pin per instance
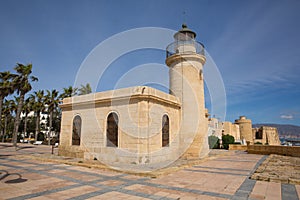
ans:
(185, 58)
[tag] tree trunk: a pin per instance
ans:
(37, 125)
(17, 120)
(5, 126)
(25, 125)
(50, 126)
(1, 104)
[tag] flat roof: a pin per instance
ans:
(122, 95)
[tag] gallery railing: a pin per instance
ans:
(185, 47)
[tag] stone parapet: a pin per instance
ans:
(238, 147)
(70, 151)
(120, 96)
(279, 150)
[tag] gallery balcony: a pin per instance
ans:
(185, 47)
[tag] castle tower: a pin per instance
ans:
(245, 128)
(185, 58)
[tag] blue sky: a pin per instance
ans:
(255, 45)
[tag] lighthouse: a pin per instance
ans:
(185, 59)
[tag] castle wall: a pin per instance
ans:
(266, 135)
(245, 129)
(232, 129)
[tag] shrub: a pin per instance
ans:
(226, 140)
(41, 136)
(213, 142)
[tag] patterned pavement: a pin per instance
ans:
(225, 177)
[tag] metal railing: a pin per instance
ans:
(185, 47)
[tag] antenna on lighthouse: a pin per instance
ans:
(184, 17)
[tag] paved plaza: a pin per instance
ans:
(222, 177)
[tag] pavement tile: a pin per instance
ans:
(298, 190)
(259, 190)
(219, 178)
(131, 177)
(77, 191)
(111, 183)
(51, 186)
(34, 176)
(115, 196)
(56, 171)
(133, 187)
(41, 198)
(146, 189)
(14, 192)
(273, 190)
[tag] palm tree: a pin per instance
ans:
(6, 88)
(10, 108)
(27, 108)
(85, 89)
(52, 101)
(7, 111)
(14, 104)
(38, 105)
(69, 92)
(22, 85)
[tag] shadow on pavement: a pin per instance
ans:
(11, 181)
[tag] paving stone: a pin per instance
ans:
(225, 176)
(278, 168)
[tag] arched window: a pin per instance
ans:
(165, 131)
(76, 130)
(112, 130)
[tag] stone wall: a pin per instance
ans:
(139, 110)
(245, 128)
(280, 150)
(232, 129)
(268, 135)
(238, 147)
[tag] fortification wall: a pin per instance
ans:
(280, 150)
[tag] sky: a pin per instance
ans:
(254, 45)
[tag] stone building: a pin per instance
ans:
(242, 131)
(232, 129)
(142, 125)
(215, 127)
(263, 135)
(266, 135)
(245, 128)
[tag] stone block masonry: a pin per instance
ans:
(279, 150)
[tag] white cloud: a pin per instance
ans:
(286, 116)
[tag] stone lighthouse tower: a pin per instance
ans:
(185, 58)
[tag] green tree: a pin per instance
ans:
(57, 121)
(85, 89)
(38, 105)
(52, 100)
(69, 92)
(213, 142)
(7, 112)
(6, 88)
(226, 140)
(22, 84)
